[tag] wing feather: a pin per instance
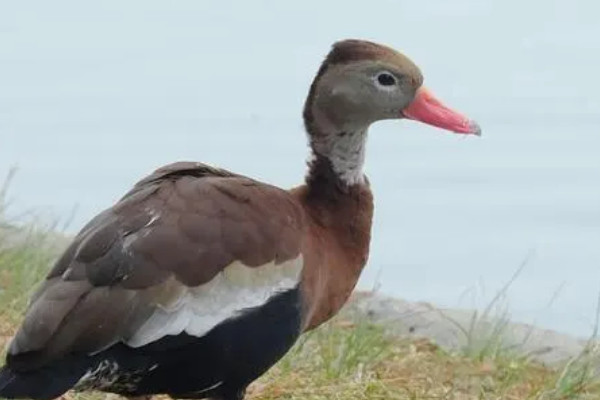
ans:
(187, 247)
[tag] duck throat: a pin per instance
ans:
(345, 152)
(339, 144)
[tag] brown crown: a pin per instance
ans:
(357, 50)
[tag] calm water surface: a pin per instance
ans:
(92, 97)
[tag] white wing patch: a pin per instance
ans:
(197, 310)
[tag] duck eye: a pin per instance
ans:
(386, 79)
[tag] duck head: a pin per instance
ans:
(360, 83)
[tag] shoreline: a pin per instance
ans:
(464, 329)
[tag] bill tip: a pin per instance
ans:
(474, 128)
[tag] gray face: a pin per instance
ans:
(361, 93)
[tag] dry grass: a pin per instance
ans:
(388, 367)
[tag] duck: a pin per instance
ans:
(198, 279)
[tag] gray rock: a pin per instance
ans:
(458, 330)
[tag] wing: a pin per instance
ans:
(188, 247)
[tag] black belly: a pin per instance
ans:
(219, 364)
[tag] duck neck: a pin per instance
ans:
(339, 206)
(338, 151)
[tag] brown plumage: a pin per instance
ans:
(209, 218)
(199, 279)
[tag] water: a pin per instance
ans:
(94, 96)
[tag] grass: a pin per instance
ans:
(26, 252)
(350, 358)
(486, 334)
(388, 367)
